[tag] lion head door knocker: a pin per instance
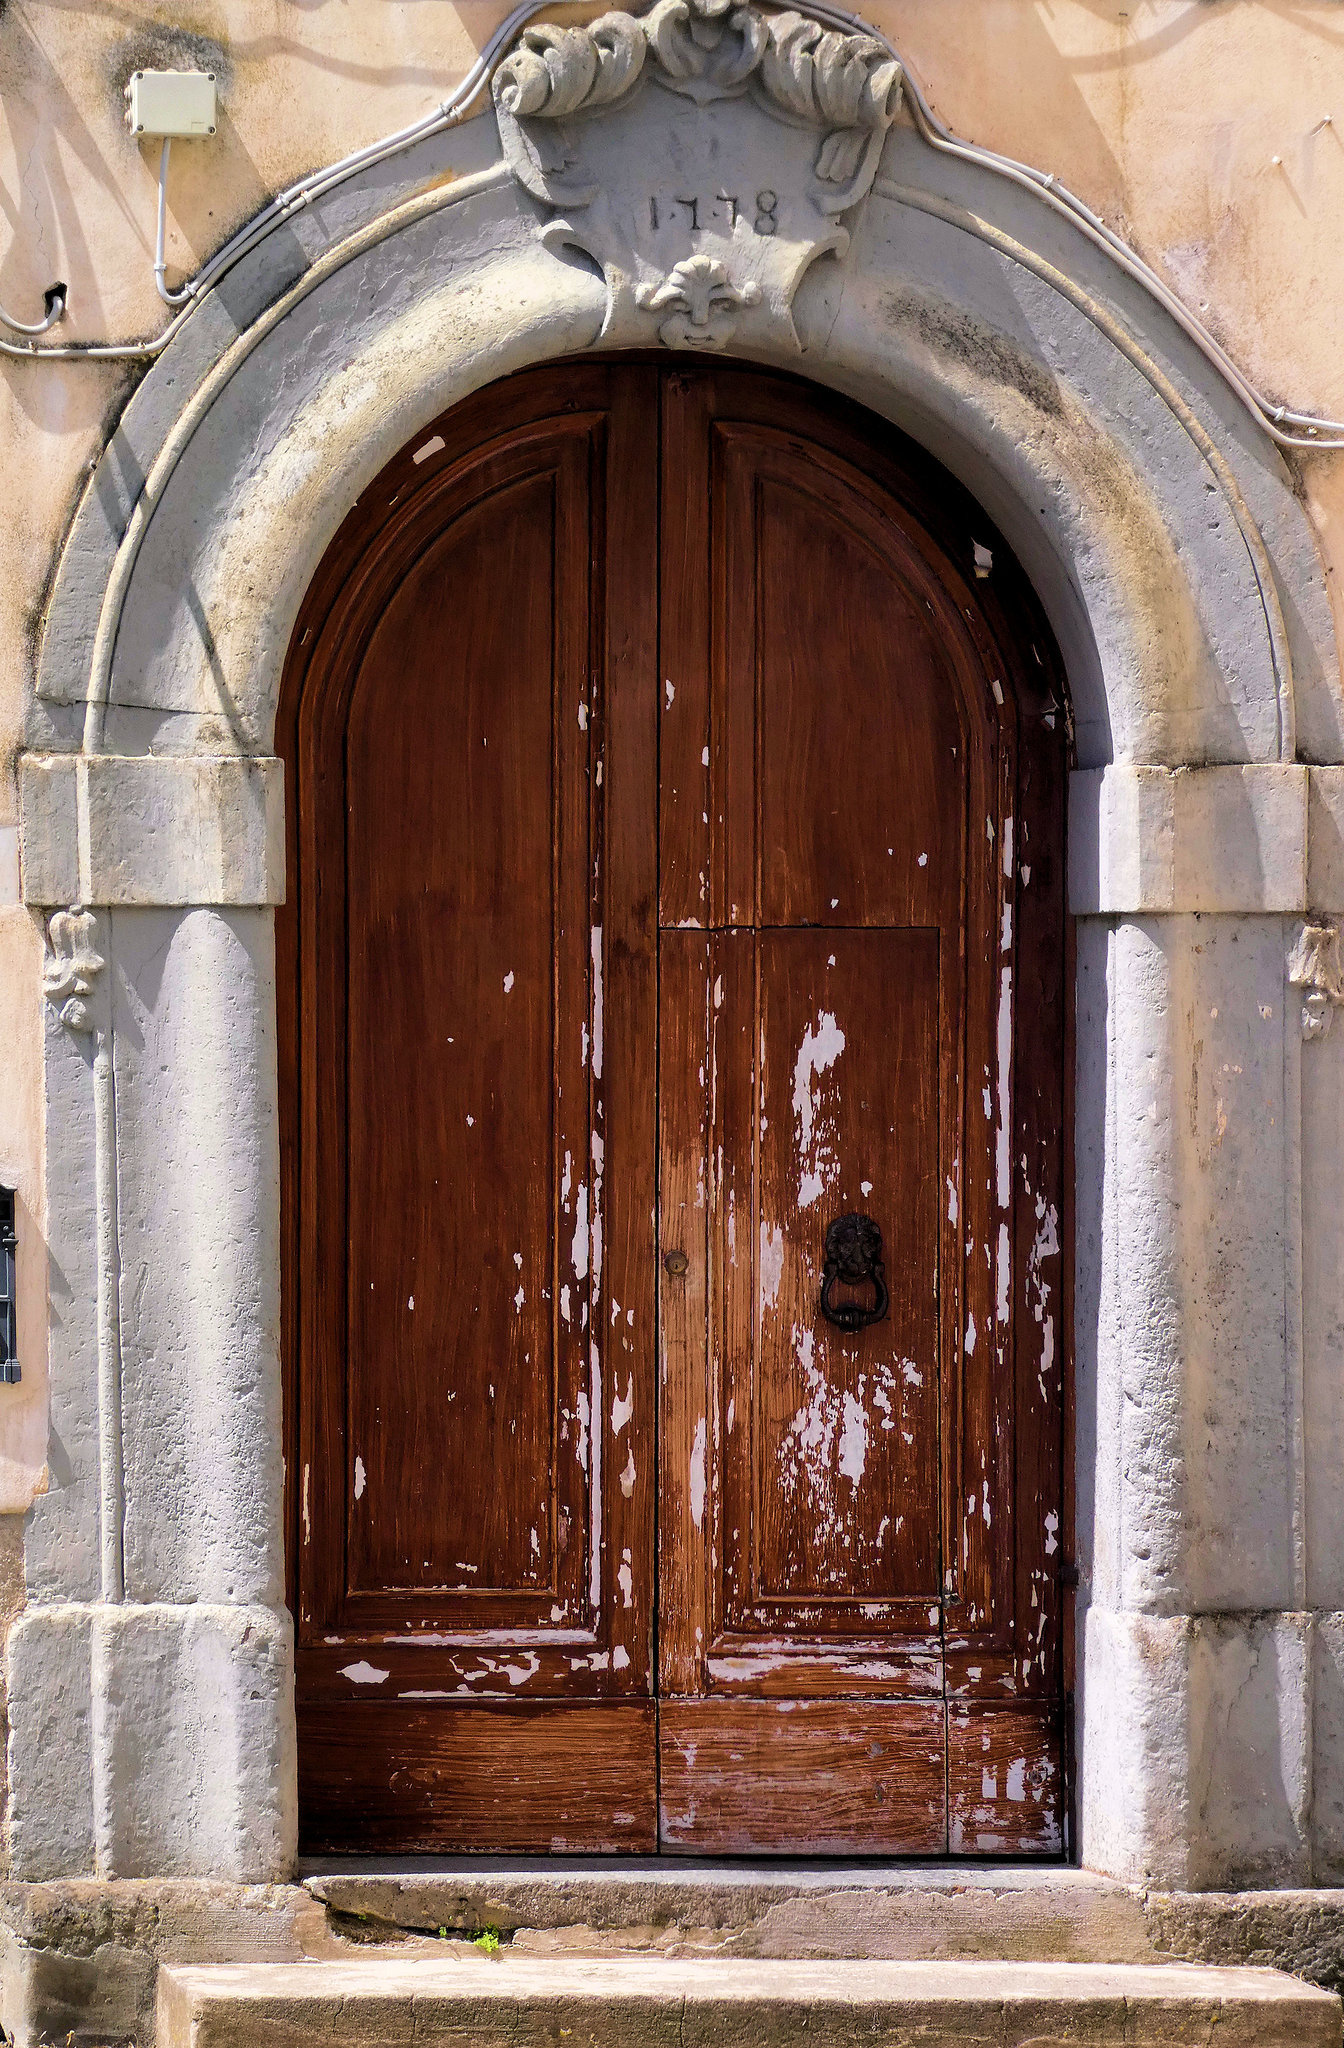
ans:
(854, 1258)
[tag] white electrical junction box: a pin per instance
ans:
(170, 103)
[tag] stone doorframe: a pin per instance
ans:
(151, 1674)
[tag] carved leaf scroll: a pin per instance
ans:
(845, 83)
(706, 48)
(711, 49)
(72, 966)
(556, 72)
(1314, 967)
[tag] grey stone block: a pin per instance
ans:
(1195, 1768)
(50, 1691)
(194, 1742)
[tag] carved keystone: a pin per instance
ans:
(703, 154)
(697, 293)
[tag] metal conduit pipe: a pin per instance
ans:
(190, 288)
(1286, 426)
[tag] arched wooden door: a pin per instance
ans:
(676, 800)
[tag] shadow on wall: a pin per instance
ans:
(64, 81)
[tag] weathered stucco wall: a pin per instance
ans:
(1200, 130)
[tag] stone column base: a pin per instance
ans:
(152, 1740)
(1212, 1750)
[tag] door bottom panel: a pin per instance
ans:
(1005, 1779)
(803, 1777)
(381, 1775)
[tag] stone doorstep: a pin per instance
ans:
(512, 2001)
(829, 1912)
(806, 1911)
(80, 1958)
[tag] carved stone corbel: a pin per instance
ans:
(1314, 966)
(72, 966)
(703, 154)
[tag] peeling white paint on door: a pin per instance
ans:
(772, 1262)
(821, 1047)
(578, 1250)
(697, 1475)
(364, 1674)
(853, 1439)
(1005, 1055)
(596, 937)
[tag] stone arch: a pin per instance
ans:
(1181, 579)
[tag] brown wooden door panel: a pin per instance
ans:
(548, 1778)
(790, 1450)
(840, 731)
(468, 1307)
(476, 911)
(802, 1777)
(676, 834)
(1005, 1780)
(843, 785)
(843, 1480)
(686, 1400)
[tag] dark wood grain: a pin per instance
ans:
(844, 1496)
(471, 1296)
(825, 1778)
(871, 1044)
(561, 1779)
(688, 886)
(685, 1466)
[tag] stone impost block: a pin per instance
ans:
(132, 829)
(1325, 841)
(1143, 841)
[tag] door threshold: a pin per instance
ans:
(947, 1873)
(680, 1906)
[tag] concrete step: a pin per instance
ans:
(464, 1997)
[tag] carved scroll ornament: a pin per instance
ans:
(72, 967)
(705, 210)
(1314, 967)
(712, 49)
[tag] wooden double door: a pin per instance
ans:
(676, 795)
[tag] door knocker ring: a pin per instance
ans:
(853, 1255)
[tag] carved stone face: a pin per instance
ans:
(853, 1247)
